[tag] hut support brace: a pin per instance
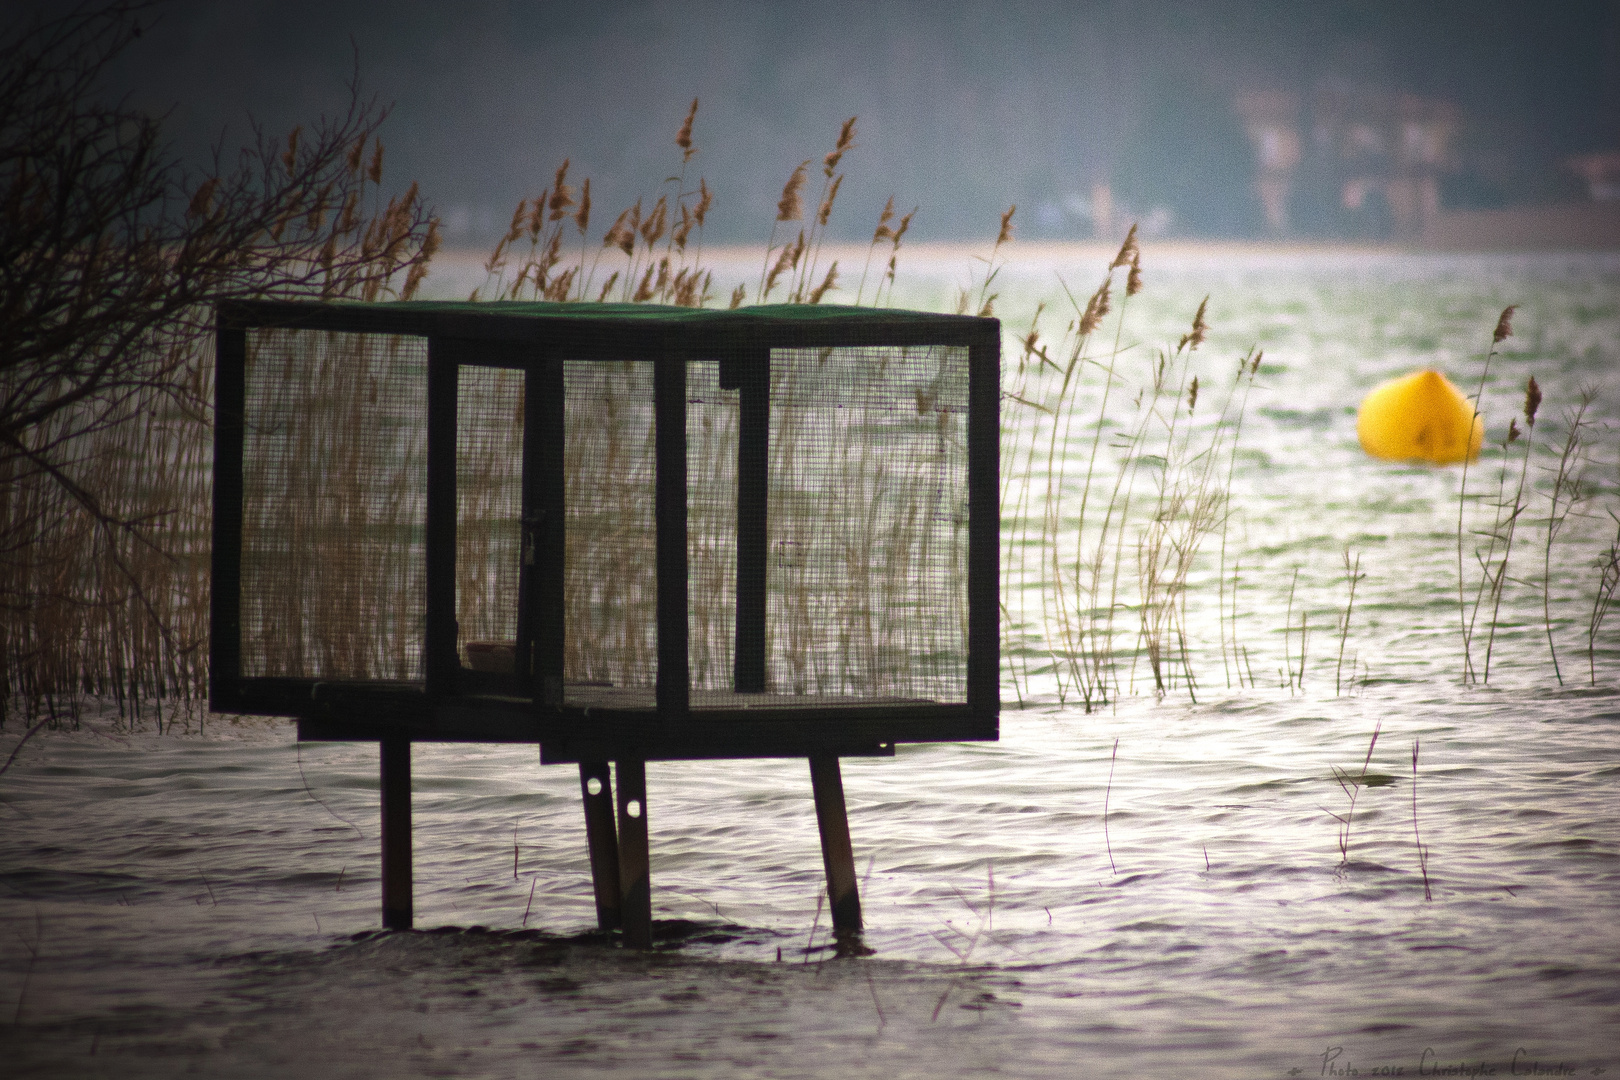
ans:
(603, 840)
(635, 886)
(396, 834)
(837, 855)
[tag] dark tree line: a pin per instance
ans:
(112, 258)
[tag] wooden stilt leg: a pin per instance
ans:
(827, 783)
(635, 886)
(396, 834)
(602, 838)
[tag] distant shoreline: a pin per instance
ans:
(1512, 231)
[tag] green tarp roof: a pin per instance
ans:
(776, 313)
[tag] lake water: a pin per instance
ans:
(1159, 887)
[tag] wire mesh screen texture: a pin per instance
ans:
(610, 565)
(489, 507)
(867, 522)
(711, 526)
(866, 518)
(333, 569)
(865, 491)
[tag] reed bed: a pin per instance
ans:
(1548, 495)
(1118, 467)
(115, 614)
(1110, 515)
(1124, 574)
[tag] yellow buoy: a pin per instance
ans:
(1421, 417)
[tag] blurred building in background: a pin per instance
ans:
(1371, 120)
(1351, 162)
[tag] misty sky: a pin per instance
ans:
(964, 107)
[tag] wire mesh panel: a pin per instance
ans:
(867, 525)
(610, 574)
(711, 524)
(489, 505)
(333, 572)
(867, 522)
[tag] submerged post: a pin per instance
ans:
(837, 854)
(396, 833)
(602, 839)
(635, 884)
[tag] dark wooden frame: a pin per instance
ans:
(442, 708)
(448, 705)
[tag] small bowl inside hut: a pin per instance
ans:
(497, 656)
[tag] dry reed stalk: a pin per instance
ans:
(1237, 566)
(1084, 672)
(1353, 575)
(1288, 629)
(1304, 640)
(894, 258)
(1107, 793)
(1423, 852)
(540, 220)
(1351, 786)
(1247, 368)
(1502, 331)
(1608, 565)
(985, 305)
(683, 137)
(1015, 485)
(829, 283)
(1532, 402)
(622, 236)
(120, 613)
(789, 207)
(1486, 556)
(1189, 506)
(961, 944)
(1566, 481)
(1062, 426)
(831, 181)
(687, 283)
(786, 262)
(809, 944)
(1079, 579)
(881, 233)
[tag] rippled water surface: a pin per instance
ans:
(1153, 889)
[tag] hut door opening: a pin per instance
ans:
(509, 527)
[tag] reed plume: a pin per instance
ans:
(803, 286)
(881, 233)
(790, 207)
(683, 137)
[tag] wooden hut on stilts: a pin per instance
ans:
(623, 533)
